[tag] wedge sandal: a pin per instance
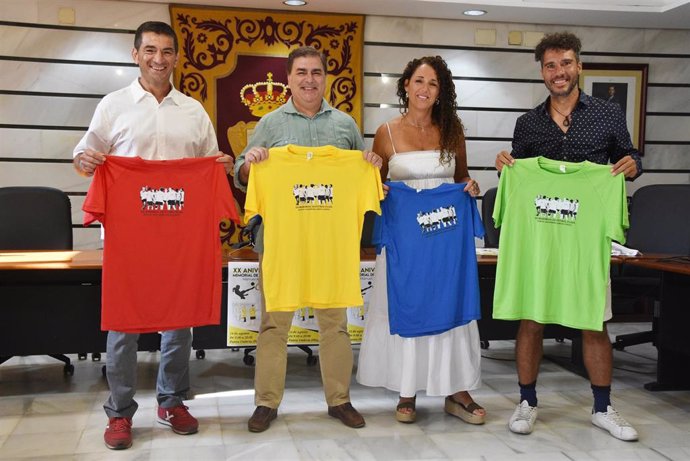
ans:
(466, 413)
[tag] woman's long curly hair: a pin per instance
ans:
(445, 113)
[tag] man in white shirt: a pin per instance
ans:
(152, 120)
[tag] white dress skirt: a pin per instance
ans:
(438, 364)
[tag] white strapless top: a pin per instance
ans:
(420, 169)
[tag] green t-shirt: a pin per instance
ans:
(557, 221)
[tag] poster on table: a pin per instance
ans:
(244, 308)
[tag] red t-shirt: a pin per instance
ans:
(162, 257)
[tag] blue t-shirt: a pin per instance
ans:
(431, 263)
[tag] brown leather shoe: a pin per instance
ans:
(261, 419)
(347, 414)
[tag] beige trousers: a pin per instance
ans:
(335, 356)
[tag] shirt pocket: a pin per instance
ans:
(343, 142)
(285, 140)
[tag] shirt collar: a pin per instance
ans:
(139, 93)
(291, 109)
(584, 99)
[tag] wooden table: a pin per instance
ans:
(673, 321)
(51, 303)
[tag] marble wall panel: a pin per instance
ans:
(382, 90)
(57, 175)
(42, 110)
(65, 78)
(38, 144)
(494, 124)
(453, 32)
(486, 179)
(497, 94)
(77, 214)
(393, 29)
(656, 178)
(668, 99)
(375, 117)
(470, 121)
(462, 63)
(461, 33)
(665, 41)
(483, 153)
(657, 157)
(88, 13)
(86, 238)
(668, 129)
(66, 44)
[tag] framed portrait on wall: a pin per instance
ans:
(624, 85)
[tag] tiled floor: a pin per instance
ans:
(44, 415)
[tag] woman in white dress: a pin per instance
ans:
(424, 147)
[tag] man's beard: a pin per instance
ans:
(571, 86)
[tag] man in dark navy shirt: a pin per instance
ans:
(570, 126)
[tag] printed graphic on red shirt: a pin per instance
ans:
(162, 199)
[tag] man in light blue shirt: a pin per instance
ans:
(305, 120)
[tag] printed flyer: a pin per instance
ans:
(244, 308)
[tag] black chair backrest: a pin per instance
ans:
(491, 234)
(660, 219)
(35, 218)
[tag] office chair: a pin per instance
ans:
(491, 234)
(659, 223)
(36, 218)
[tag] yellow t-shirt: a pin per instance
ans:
(312, 201)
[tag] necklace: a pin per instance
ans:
(416, 125)
(566, 117)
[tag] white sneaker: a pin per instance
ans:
(615, 424)
(524, 416)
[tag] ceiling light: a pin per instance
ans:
(474, 12)
(294, 2)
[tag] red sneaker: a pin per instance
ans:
(179, 419)
(118, 433)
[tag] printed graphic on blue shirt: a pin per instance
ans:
(437, 219)
(161, 200)
(313, 196)
(556, 210)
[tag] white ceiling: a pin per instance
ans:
(655, 14)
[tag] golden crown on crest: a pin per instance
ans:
(264, 97)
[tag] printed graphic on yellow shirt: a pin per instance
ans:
(313, 196)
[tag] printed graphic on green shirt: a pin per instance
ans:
(556, 210)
